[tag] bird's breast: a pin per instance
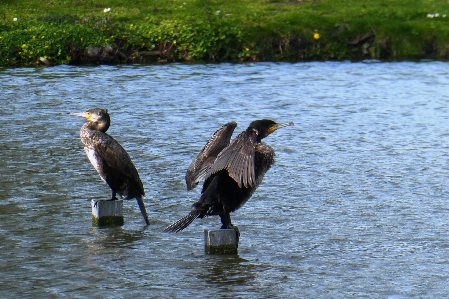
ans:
(264, 158)
(264, 150)
(96, 161)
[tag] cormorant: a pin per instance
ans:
(110, 159)
(232, 171)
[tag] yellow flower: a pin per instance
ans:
(42, 36)
(23, 46)
(316, 36)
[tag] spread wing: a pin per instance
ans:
(238, 159)
(113, 154)
(206, 157)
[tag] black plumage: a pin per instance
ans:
(110, 159)
(232, 171)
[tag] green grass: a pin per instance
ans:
(208, 30)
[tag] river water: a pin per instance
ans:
(356, 205)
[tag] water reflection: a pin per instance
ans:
(227, 270)
(114, 237)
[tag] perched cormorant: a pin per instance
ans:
(232, 171)
(110, 159)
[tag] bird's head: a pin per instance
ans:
(98, 117)
(265, 127)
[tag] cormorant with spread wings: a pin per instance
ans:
(232, 171)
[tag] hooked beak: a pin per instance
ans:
(278, 126)
(82, 114)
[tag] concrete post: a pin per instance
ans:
(221, 241)
(107, 212)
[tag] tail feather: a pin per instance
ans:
(143, 210)
(183, 222)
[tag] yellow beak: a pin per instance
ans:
(278, 126)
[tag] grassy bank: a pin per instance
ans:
(115, 31)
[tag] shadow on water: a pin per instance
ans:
(116, 237)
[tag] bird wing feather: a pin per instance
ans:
(113, 154)
(238, 159)
(199, 167)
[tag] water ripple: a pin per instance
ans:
(354, 207)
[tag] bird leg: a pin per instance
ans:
(113, 195)
(226, 221)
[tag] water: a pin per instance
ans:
(355, 206)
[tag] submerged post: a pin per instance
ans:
(107, 212)
(221, 241)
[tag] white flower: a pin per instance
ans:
(437, 15)
(107, 9)
(15, 19)
(444, 15)
(217, 12)
(430, 15)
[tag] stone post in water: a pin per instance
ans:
(107, 212)
(221, 241)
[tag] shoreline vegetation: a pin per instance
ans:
(141, 31)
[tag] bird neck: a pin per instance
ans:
(258, 134)
(101, 126)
